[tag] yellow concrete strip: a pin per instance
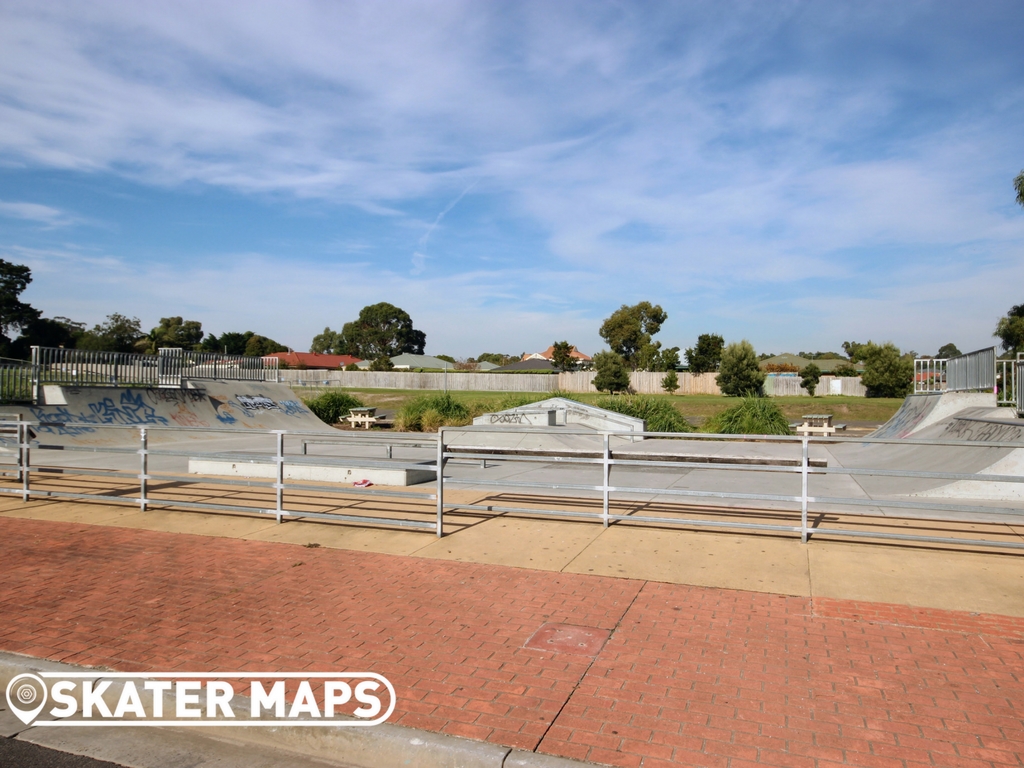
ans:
(203, 524)
(68, 512)
(960, 581)
(341, 536)
(546, 545)
(755, 563)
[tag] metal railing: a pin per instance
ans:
(16, 381)
(618, 491)
(929, 375)
(972, 372)
(169, 368)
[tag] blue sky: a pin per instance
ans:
(797, 174)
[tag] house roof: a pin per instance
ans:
(549, 354)
(535, 364)
(825, 364)
(313, 359)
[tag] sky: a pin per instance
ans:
(797, 174)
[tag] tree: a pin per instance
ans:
(118, 333)
(325, 343)
(809, 378)
(172, 332)
(447, 358)
(497, 358)
(707, 354)
(629, 330)
(382, 363)
(14, 313)
(739, 373)
(854, 350)
(260, 346)
(845, 370)
(1010, 330)
(671, 382)
(46, 332)
(380, 330)
(947, 351)
(1018, 184)
(886, 373)
(561, 356)
(612, 375)
(353, 367)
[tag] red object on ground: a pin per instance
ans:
(689, 675)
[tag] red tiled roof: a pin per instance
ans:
(549, 354)
(314, 359)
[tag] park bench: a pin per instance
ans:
(817, 424)
(365, 417)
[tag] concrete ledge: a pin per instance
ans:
(321, 473)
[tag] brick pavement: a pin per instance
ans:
(690, 675)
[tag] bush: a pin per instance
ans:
(660, 414)
(332, 406)
(612, 375)
(739, 373)
(809, 378)
(352, 367)
(427, 414)
(886, 374)
(752, 416)
(671, 382)
(846, 370)
(382, 363)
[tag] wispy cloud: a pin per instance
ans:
(41, 214)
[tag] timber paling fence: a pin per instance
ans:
(586, 477)
(644, 382)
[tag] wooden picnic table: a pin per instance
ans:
(817, 424)
(363, 416)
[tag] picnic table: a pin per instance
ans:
(817, 424)
(366, 417)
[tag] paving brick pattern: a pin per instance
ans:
(689, 675)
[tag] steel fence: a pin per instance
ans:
(929, 375)
(169, 368)
(16, 381)
(620, 476)
(972, 372)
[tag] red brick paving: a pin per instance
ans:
(690, 675)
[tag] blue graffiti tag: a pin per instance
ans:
(292, 407)
(61, 415)
(131, 410)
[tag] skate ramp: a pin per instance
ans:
(919, 412)
(69, 414)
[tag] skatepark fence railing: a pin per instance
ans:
(972, 372)
(789, 473)
(291, 499)
(170, 368)
(929, 375)
(798, 465)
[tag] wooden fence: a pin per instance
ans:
(645, 382)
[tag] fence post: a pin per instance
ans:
(23, 460)
(144, 466)
(36, 388)
(440, 483)
(804, 462)
(279, 485)
(607, 476)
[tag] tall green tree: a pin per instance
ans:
(118, 333)
(886, 372)
(380, 330)
(14, 313)
(228, 343)
(947, 351)
(172, 332)
(325, 343)
(707, 354)
(259, 346)
(629, 332)
(46, 332)
(739, 373)
(612, 375)
(1010, 330)
(561, 356)
(809, 378)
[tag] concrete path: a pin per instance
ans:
(722, 650)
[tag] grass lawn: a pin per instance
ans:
(695, 407)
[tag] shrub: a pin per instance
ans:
(809, 378)
(751, 416)
(781, 368)
(612, 375)
(352, 367)
(886, 374)
(671, 382)
(426, 414)
(845, 370)
(382, 363)
(660, 414)
(739, 373)
(332, 406)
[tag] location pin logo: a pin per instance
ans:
(25, 692)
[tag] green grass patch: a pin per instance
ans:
(659, 412)
(751, 416)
